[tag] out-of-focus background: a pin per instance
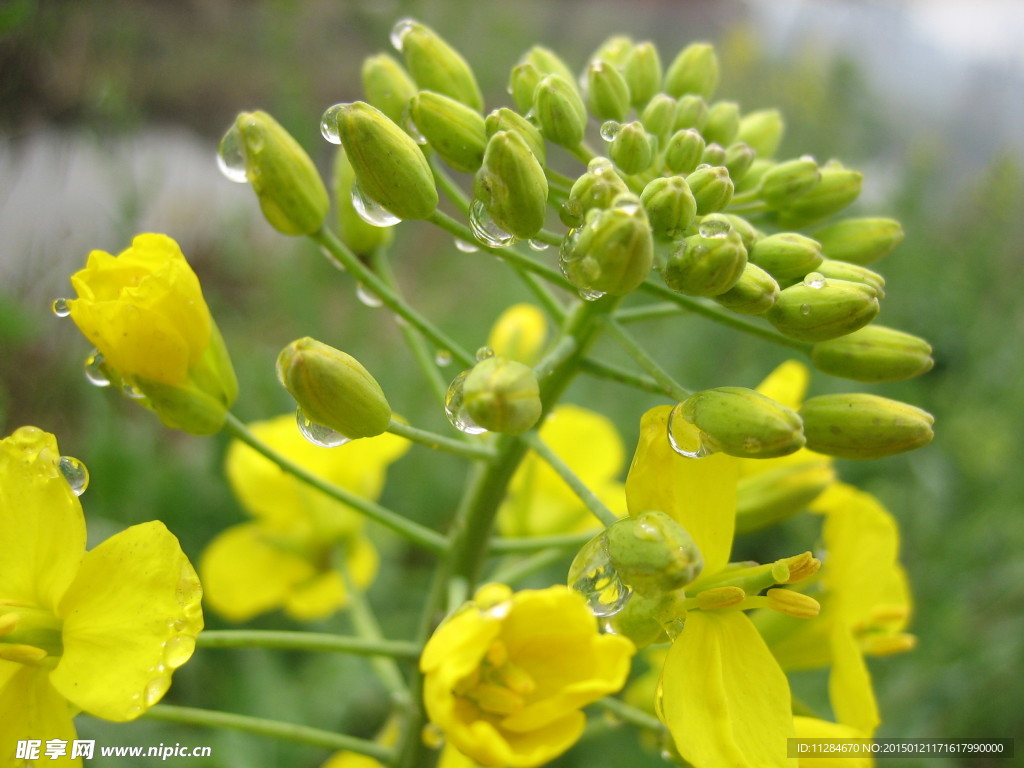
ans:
(110, 113)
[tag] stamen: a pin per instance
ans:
(720, 597)
(801, 567)
(887, 645)
(22, 654)
(8, 621)
(497, 654)
(518, 679)
(496, 699)
(793, 603)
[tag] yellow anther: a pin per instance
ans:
(467, 683)
(23, 654)
(490, 595)
(496, 699)
(801, 567)
(887, 645)
(793, 603)
(720, 597)
(781, 572)
(517, 679)
(497, 654)
(8, 621)
(885, 614)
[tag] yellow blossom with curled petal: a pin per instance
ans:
(507, 675)
(98, 631)
(144, 312)
(284, 558)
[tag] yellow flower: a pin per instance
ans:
(98, 631)
(284, 558)
(539, 503)
(519, 334)
(144, 312)
(506, 676)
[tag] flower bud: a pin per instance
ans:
(560, 111)
(786, 255)
(738, 159)
(333, 389)
(788, 181)
(615, 50)
(454, 130)
(841, 270)
(612, 253)
(504, 119)
(519, 334)
(652, 553)
(607, 92)
(762, 130)
(819, 309)
(388, 86)
(862, 426)
(642, 71)
(436, 66)
(694, 70)
(712, 188)
(549, 63)
(659, 117)
(597, 188)
(691, 112)
(512, 185)
(643, 618)
(669, 204)
(755, 173)
(860, 241)
(360, 236)
(744, 423)
(769, 497)
(838, 188)
(684, 151)
(708, 263)
(723, 123)
(746, 230)
(714, 154)
(522, 84)
(754, 293)
(631, 149)
(291, 193)
(874, 353)
(502, 395)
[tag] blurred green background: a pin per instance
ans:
(109, 117)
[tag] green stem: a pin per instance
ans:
(316, 642)
(621, 375)
(534, 543)
(513, 572)
(631, 714)
(557, 179)
(438, 442)
(584, 152)
(414, 532)
(446, 184)
(301, 734)
(549, 237)
(587, 496)
(647, 312)
(669, 385)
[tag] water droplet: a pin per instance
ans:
(702, 166)
(485, 229)
(432, 736)
(178, 650)
(398, 32)
(318, 434)
(156, 689)
(231, 156)
(414, 130)
(537, 245)
(75, 473)
(96, 370)
(368, 297)
(60, 307)
(588, 295)
(593, 576)
(370, 210)
(714, 227)
(329, 123)
(751, 444)
(629, 204)
(684, 436)
(600, 166)
(443, 358)
(131, 391)
(610, 129)
(455, 410)
(572, 212)
(814, 280)
(483, 353)
(805, 309)
(465, 246)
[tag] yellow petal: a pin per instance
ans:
(326, 593)
(699, 494)
(131, 617)
(787, 384)
(31, 709)
(724, 698)
(849, 684)
(812, 728)
(452, 758)
(42, 529)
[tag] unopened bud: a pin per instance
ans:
(855, 273)
(738, 159)
(652, 553)
(874, 353)
(786, 255)
(769, 497)
(612, 252)
(712, 188)
(669, 204)
(684, 150)
(755, 173)
(388, 86)
(360, 236)
(631, 149)
(762, 130)
(723, 123)
(714, 154)
(607, 91)
(615, 50)
(818, 309)
(642, 71)
(746, 230)
(436, 66)
(754, 293)
(560, 111)
(745, 423)
(694, 70)
(504, 119)
(454, 130)
(708, 263)
(788, 181)
(512, 185)
(659, 117)
(549, 63)
(522, 84)
(838, 188)
(502, 395)
(597, 188)
(333, 389)
(519, 334)
(862, 426)
(691, 112)
(860, 241)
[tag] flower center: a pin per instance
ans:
(29, 635)
(498, 686)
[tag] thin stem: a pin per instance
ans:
(587, 496)
(557, 179)
(438, 442)
(584, 152)
(414, 532)
(647, 312)
(549, 237)
(448, 186)
(301, 734)
(543, 295)
(534, 543)
(631, 714)
(615, 373)
(669, 385)
(516, 571)
(307, 641)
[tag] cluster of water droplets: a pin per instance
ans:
(486, 229)
(685, 437)
(318, 434)
(593, 576)
(454, 399)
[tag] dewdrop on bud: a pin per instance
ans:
(819, 309)
(560, 111)
(455, 131)
(387, 86)
(512, 185)
(597, 188)
(435, 65)
(612, 252)
(862, 426)
(355, 232)
(502, 395)
(652, 553)
(860, 241)
(694, 70)
(631, 149)
(874, 353)
(841, 270)
(708, 263)
(744, 423)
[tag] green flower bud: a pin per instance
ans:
(390, 168)
(754, 293)
(560, 111)
(512, 185)
(738, 159)
(615, 50)
(597, 188)
(612, 253)
(504, 119)
(659, 116)
(454, 130)
(874, 353)
(631, 149)
(862, 426)
(694, 70)
(855, 273)
(435, 65)
(751, 180)
(653, 554)
(691, 112)
(838, 188)
(502, 395)
(333, 389)
(708, 263)
(788, 181)
(747, 231)
(669, 204)
(860, 241)
(684, 151)
(723, 123)
(819, 309)
(549, 63)
(361, 237)
(741, 422)
(762, 130)
(388, 86)
(712, 188)
(522, 84)
(786, 255)
(714, 154)
(774, 495)
(642, 71)
(607, 92)
(291, 193)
